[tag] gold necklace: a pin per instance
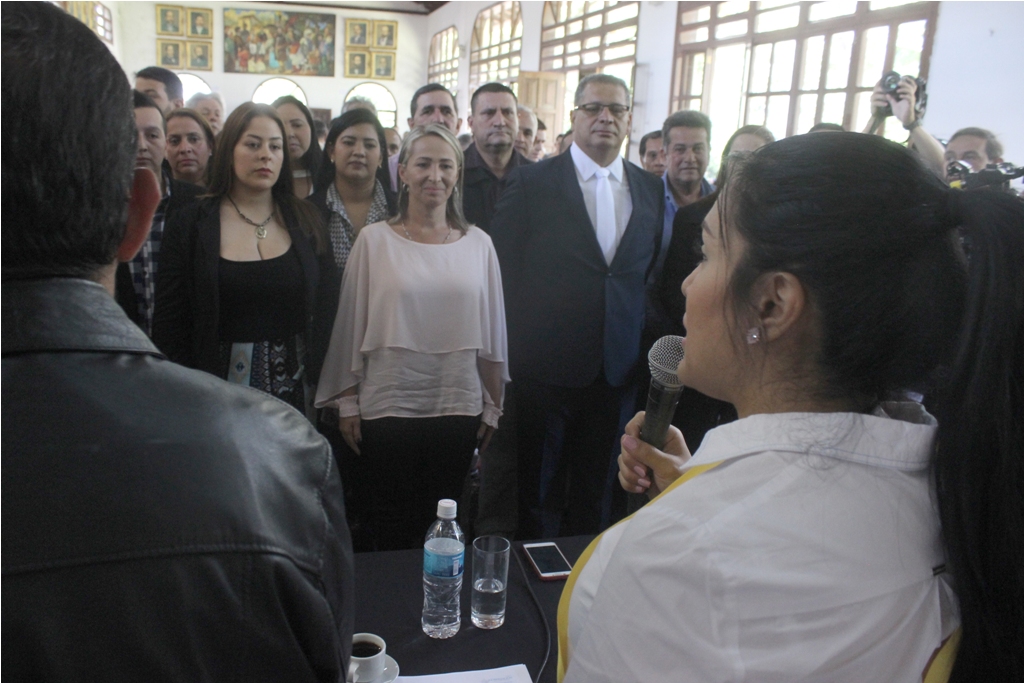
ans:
(261, 228)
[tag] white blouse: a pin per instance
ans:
(412, 320)
(811, 553)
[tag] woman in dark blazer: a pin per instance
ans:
(240, 270)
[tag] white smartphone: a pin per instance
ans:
(547, 560)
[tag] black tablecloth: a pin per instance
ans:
(389, 602)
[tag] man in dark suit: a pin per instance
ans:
(136, 280)
(576, 236)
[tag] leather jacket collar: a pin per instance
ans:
(67, 314)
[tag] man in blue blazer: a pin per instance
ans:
(576, 236)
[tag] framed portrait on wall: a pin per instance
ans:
(383, 66)
(199, 23)
(200, 55)
(357, 64)
(170, 20)
(357, 32)
(170, 54)
(385, 35)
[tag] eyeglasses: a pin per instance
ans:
(594, 108)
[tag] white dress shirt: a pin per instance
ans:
(586, 169)
(811, 553)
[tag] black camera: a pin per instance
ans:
(891, 81)
(995, 176)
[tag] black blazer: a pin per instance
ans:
(186, 321)
(682, 257)
(571, 316)
(182, 194)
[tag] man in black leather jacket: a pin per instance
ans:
(159, 523)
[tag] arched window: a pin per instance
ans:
(497, 41)
(192, 84)
(272, 88)
(799, 63)
(443, 67)
(387, 108)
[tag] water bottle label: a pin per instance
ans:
(443, 566)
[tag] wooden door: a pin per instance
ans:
(544, 93)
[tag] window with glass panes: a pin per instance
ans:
(95, 15)
(443, 66)
(790, 65)
(495, 48)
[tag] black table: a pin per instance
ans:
(389, 602)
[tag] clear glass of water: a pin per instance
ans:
(490, 581)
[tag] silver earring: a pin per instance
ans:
(753, 335)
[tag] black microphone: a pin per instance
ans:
(662, 399)
(663, 396)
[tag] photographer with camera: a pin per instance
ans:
(904, 98)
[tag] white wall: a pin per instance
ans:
(135, 46)
(975, 77)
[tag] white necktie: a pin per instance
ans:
(605, 215)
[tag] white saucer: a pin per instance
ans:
(390, 670)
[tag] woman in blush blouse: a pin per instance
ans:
(417, 360)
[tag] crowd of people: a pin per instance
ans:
(427, 316)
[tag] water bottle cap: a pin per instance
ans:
(446, 508)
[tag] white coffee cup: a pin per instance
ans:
(367, 657)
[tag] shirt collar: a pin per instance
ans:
(471, 159)
(587, 167)
(706, 188)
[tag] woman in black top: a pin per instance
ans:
(240, 276)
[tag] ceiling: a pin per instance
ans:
(379, 5)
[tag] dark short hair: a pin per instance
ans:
(141, 100)
(993, 148)
(827, 127)
(311, 157)
(430, 87)
(540, 124)
(687, 119)
(68, 162)
(172, 84)
(653, 135)
(490, 87)
(607, 79)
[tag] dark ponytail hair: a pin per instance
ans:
(354, 117)
(877, 241)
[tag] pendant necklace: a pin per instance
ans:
(444, 241)
(261, 228)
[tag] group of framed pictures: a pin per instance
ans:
(195, 25)
(370, 48)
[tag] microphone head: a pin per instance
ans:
(664, 359)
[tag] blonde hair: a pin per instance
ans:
(453, 212)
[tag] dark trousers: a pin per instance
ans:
(566, 441)
(498, 514)
(412, 463)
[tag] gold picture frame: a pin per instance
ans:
(383, 66)
(357, 33)
(385, 35)
(357, 63)
(170, 20)
(170, 54)
(199, 23)
(200, 55)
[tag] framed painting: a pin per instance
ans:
(199, 55)
(170, 54)
(357, 33)
(170, 20)
(275, 42)
(384, 66)
(199, 23)
(385, 35)
(357, 64)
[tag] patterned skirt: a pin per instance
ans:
(275, 367)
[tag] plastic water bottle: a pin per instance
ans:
(444, 557)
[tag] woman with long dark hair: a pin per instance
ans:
(417, 360)
(302, 145)
(836, 531)
(239, 276)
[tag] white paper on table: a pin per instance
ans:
(517, 673)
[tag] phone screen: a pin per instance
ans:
(548, 559)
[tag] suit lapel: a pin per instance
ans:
(641, 212)
(580, 219)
